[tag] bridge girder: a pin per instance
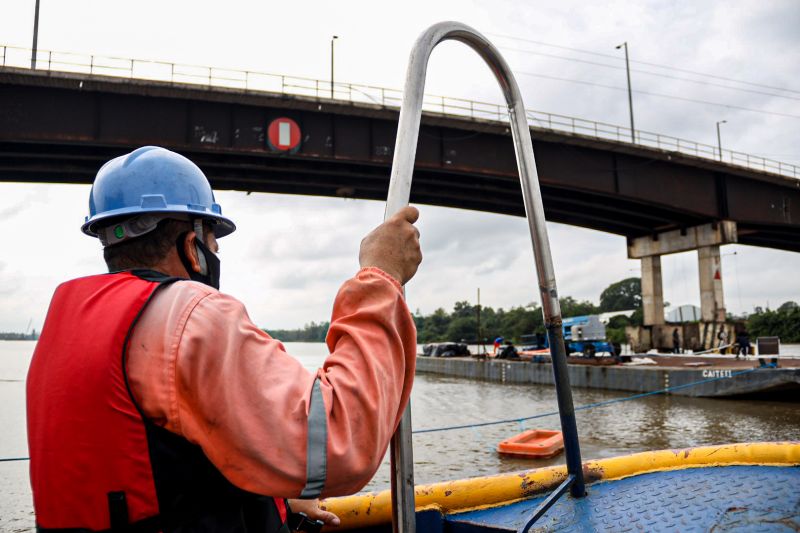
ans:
(62, 128)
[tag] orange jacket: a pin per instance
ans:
(199, 367)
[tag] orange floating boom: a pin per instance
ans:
(534, 443)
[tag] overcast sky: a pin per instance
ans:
(290, 254)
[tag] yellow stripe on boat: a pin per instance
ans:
(489, 491)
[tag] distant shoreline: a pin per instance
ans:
(5, 336)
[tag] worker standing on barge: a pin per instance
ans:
(155, 404)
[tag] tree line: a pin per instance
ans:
(311, 332)
(512, 324)
(462, 322)
(14, 336)
(784, 322)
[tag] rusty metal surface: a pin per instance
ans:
(61, 129)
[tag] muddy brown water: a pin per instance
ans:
(651, 423)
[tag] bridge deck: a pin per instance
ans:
(61, 127)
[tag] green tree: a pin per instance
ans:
(435, 326)
(784, 324)
(419, 323)
(519, 321)
(464, 309)
(615, 329)
(492, 322)
(462, 328)
(489, 322)
(572, 307)
(622, 295)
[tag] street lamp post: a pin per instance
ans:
(630, 96)
(719, 139)
(35, 35)
(333, 39)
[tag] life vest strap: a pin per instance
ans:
(118, 510)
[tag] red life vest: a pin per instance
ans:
(97, 463)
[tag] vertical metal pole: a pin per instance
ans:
(480, 337)
(34, 48)
(630, 95)
(566, 410)
(719, 139)
(333, 39)
(402, 465)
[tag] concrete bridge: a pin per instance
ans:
(271, 133)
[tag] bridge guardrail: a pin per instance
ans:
(253, 81)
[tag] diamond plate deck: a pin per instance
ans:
(731, 498)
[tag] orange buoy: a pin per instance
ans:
(534, 443)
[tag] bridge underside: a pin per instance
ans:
(55, 129)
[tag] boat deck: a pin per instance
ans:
(750, 487)
(728, 362)
(732, 498)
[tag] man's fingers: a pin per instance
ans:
(394, 245)
(408, 214)
(328, 517)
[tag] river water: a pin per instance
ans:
(650, 423)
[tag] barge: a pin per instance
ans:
(715, 378)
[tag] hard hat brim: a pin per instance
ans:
(221, 226)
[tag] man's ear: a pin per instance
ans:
(190, 250)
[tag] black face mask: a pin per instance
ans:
(212, 265)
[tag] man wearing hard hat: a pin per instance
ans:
(155, 404)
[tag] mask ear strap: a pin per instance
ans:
(211, 278)
(198, 229)
(182, 254)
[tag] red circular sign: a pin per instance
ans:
(283, 135)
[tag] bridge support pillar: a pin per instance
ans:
(652, 291)
(706, 239)
(712, 299)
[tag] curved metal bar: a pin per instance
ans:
(399, 194)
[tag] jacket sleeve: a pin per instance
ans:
(274, 428)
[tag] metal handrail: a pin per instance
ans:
(250, 81)
(398, 197)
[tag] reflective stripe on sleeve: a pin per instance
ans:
(317, 446)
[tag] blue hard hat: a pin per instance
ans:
(152, 180)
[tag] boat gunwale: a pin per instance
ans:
(484, 492)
